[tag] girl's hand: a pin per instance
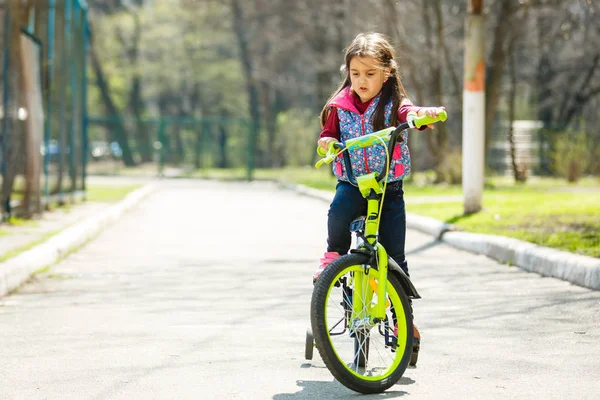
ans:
(430, 111)
(324, 142)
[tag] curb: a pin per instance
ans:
(15, 271)
(580, 270)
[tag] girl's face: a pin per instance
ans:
(367, 76)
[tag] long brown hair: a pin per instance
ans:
(377, 46)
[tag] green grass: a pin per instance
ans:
(109, 194)
(542, 215)
(18, 250)
(18, 223)
(21, 222)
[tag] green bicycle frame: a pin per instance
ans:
(371, 189)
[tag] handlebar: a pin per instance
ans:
(427, 120)
(389, 135)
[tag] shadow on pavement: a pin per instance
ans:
(334, 390)
(424, 247)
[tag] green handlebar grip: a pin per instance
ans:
(427, 120)
(328, 156)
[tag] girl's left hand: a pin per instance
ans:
(430, 111)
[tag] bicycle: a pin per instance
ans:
(365, 343)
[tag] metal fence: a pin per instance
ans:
(184, 142)
(43, 133)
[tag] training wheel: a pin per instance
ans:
(310, 345)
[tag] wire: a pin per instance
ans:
(388, 163)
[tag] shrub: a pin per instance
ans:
(571, 155)
(298, 132)
(451, 168)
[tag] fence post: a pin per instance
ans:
(5, 72)
(84, 116)
(252, 137)
(162, 147)
(69, 22)
(198, 147)
(48, 119)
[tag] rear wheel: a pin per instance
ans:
(363, 356)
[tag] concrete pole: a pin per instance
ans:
(473, 142)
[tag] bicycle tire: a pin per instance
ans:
(328, 280)
(309, 345)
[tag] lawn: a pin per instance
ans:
(542, 215)
(108, 194)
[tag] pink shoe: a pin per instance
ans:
(325, 261)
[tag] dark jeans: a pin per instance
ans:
(348, 204)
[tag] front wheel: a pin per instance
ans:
(364, 356)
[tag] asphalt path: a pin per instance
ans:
(203, 290)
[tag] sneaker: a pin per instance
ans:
(325, 261)
(416, 345)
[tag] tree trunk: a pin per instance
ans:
(136, 102)
(496, 66)
(436, 139)
(10, 123)
(438, 85)
(34, 127)
(251, 85)
(111, 108)
(511, 113)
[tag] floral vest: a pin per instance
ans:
(369, 159)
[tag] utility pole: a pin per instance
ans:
(473, 142)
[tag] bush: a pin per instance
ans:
(297, 134)
(571, 155)
(450, 170)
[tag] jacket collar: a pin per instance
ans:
(345, 100)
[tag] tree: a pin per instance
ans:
(251, 84)
(120, 132)
(11, 143)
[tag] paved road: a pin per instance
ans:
(177, 302)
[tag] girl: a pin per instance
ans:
(371, 98)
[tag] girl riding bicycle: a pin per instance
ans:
(370, 98)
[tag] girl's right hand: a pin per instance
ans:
(324, 142)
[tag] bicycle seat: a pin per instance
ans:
(358, 225)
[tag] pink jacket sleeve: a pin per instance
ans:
(403, 111)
